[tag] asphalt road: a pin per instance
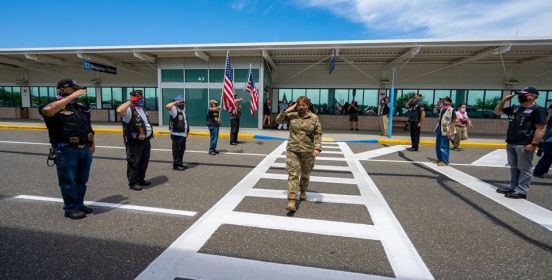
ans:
(457, 232)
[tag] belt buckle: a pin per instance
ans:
(81, 146)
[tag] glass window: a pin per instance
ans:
(34, 97)
(117, 96)
(90, 97)
(324, 104)
(16, 97)
(541, 100)
(106, 98)
(5, 96)
(240, 75)
(43, 98)
(441, 93)
(369, 101)
(475, 103)
(216, 75)
(492, 98)
(196, 75)
(150, 95)
(172, 75)
(285, 93)
(459, 96)
(314, 96)
(298, 92)
(342, 96)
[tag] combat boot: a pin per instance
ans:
(303, 195)
(291, 205)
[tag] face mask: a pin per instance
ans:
(462, 110)
(139, 103)
(63, 95)
(446, 106)
(522, 98)
(180, 106)
(302, 109)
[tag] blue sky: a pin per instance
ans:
(51, 23)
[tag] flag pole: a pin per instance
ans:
(391, 105)
(222, 91)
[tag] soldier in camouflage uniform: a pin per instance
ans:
(304, 143)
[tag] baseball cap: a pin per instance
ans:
(531, 90)
(70, 83)
(178, 98)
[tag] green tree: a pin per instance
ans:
(400, 103)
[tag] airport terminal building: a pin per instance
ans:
(476, 72)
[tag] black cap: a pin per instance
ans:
(137, 92)
(70, 83)
(531, 90)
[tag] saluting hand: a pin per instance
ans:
(316, 153)
(291, 108)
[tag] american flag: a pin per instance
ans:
(229, 102)
(250, 86)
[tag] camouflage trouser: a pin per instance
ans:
(298, 164)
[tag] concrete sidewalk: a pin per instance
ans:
(399, 138)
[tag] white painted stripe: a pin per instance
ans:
(170, 263)
(313, 178)
(330, 147)
(113, 205)
(330, 143)
(203, 266)
(494, 158)
(319, 158)
(523, 207)
(380, 152)
(423, 162)
(403, 257)
(303, 225)
(331, 152)
(311, 196)
(122, 148)
(316, 167)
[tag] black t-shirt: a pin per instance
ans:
(415, 112)
(523, 121)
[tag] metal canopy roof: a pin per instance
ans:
(380, 53)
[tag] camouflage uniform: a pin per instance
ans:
(305, 136)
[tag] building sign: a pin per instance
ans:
(91, 66)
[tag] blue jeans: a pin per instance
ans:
(73, 168)
(442, 147)
(546, 160)
(214, 132)
(520, 162)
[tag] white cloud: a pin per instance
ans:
(446, 18)
(238, 5)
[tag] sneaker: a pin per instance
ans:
(86, 210)
(216, 152)
(212, 153)
(441, 164)
(456, 149)
(291, 205)
(412, 149)
(75, 215)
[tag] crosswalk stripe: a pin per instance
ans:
(494, 158)
(380, 152)
(317, 167)
(313, 179)
(319, 158)
(523, 207)
(113, 205)
(311, 196)
(303, 225)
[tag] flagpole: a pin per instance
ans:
(391, 105)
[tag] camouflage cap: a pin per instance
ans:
(212, 101)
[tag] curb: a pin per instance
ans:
(488, 145)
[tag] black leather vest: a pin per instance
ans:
(71, 125)
(136, 128)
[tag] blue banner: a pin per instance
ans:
(92, 66)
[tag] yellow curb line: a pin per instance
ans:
(120, 131)
(432, 143)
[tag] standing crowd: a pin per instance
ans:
(73, 143)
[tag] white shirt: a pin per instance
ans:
(173, 114)
(142, 114)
